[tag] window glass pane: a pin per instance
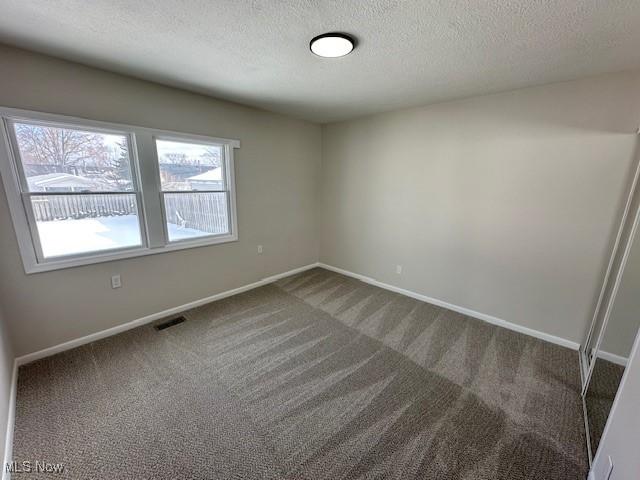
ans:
(193, 215)
(190, 166)
(73, 224)
(57, 159)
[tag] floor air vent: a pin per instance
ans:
(170, 323)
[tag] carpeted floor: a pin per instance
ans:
(317, 376)
(602, 390)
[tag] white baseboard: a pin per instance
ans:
(24, 359)
(465, 311)
(11, 417)
(47, 352)
(613, 358)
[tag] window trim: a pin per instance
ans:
(145, 169)
(26, 194)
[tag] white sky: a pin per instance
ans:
(189, 149)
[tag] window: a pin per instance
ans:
(78, 189)
(82, 192)
(194, 189)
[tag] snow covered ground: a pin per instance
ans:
(68, 237)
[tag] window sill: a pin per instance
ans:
(70, 262)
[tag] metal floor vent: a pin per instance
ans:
(170, 323)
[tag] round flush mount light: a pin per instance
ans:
(332, 45)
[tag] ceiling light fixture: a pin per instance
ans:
(332, 45)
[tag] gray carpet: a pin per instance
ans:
(603, 386)
(317, 376)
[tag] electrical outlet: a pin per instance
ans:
(399, 269)
(259, 249)
(116, 282)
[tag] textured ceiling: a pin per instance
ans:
(410, 52)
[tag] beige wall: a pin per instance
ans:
(502, 204)
(6, 372)
(277, 170)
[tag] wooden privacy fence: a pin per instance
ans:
(207, 212)
(64, 207)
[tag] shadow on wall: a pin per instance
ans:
(504, 204)
(548, 109)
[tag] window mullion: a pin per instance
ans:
(230, 186)
(33, 226)
(150, 181)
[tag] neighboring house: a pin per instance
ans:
(63, 182)
(209, 180)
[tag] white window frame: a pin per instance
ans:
(163, 193)
(145, 175)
